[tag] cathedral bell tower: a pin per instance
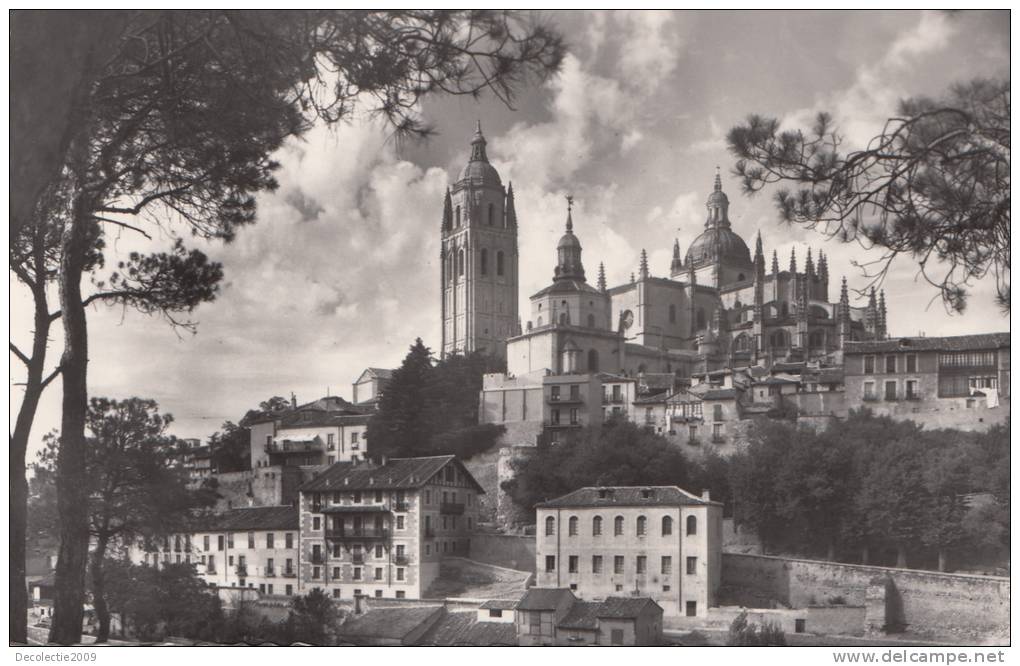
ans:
(478, 259)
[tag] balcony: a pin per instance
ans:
(401, 506)
(563, 425)
(270, 573)
(401, 560)
(242, 570)
(565, 400)
(295, 447)
(289, 573)
(869, 398)
(210, 571)
(452, 508)
(358, 558)
(913, 396)
(363, 534)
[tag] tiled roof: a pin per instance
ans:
(393, 623)
(567, 287)
(719, 394)
(382, 373)
(623, 607)
(543, 598)
(322, 417)
(951, 343)
(499, 604)
(489, 633)
(777, 380)
(396, 474)
(654, 399)
(582, 615)
(625, 496)
(463, 628)
(250, 519)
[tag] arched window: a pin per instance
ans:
(565, 317)
(593, 360)
(618, 526)
(492, 214)
(642, 524)
(596, 526)
(550, 526)
(572, 526)
(591, 321)
(672, 314)
(457, 218)
(701, 318)
(484, 263)
(499, 262)
(667, 526)
(692, 525)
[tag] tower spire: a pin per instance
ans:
(478, 145)
(602, 277)
(644, 264)
(510, 209)
(793, 260)
(568, 251)
(843, 296)
(809, 266)
(676, 266)
(775, 263)
(718, 180)
(759, 257)
(570, 219)
(447, 211)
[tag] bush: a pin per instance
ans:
(744, 633)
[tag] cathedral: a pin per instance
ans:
(719, 308)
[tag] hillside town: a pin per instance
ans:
(698, 442)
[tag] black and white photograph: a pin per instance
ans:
(510, 328)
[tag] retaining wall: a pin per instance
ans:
(504, 550)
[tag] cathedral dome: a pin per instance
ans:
(718, 243)
(478, 170)
(568, 240)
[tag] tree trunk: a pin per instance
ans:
(34, 386)
(99, 590)
(865, 553)
(72, 492)
(942, 559)
(901, 557)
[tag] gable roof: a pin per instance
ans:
(981, 341)
(249, 519)
(392, 623)
(624, 607)
(396, 474)
(719, 394)
(595, 496)
(543, 598)
(378, 373)
(582, 615)
(463, 628)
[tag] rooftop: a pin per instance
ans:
(595, 496)
(981, 341)
(544, 598)
(392, 623)
(396, 474)
(250, 519)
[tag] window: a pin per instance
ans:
(616, 636)
(357, 497)
(692, 433)
(911, 390)
(316, 523)
(890, 390)
(400, 573)
(667, 526)
(550, 563)
(400, 594)
(890, 365)
(378, 594)
(618, 526)
(535, 622)
(460, 262)
(716, 432)
(495, 612)
(483, 263)
(219, 542)
(316, 553)
(378, 552)
(692, 565)
(869, 391)
(572, 564)
(354, 437)
(596, 526)
(573, 416)
(665, 588)
(555, 417)
(642, 523)
(554, 394)
(336, 593)
(667, 565)
(336, 573)
(572, 526)
(400, 522)
(596, 564)
(717, 413)
(692, 525)
(378, 497)
(869, 365)
(618, 564)
(692, 608)
(288, 540)
(550, 526)
(315, 573)
(911, 362)
(456, 218)
(428, 497)
(357, 573)
(499, 262)
(378, 573)
(269, 540)
(642, 565)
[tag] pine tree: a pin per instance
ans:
(401, 426)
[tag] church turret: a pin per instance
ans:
(882, 331)
(568, 251)
(677, 265)
(823, 277)
(602, 277)
(511, 210)
(775, 264)
(809, 266)
(643, 268)
(843, 314)
(793, 260)
(447, 212)
(692, 281)
(871, 314)
(759, 257)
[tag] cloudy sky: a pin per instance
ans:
(340, 272)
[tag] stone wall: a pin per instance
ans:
(504, 550)
(922, 602)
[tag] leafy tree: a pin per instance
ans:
(747, 634)
(179, 121)
(231, 448)
(134, 490)
(314, 619)
(400, 425)
(933, 185)
(615, 454)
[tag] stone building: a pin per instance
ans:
(381, 530)
(478, 260)
(661, 542)
(959, 381)
(367, 389)
(322, 432)
(554, 616)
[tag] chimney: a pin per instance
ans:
(706, 495)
